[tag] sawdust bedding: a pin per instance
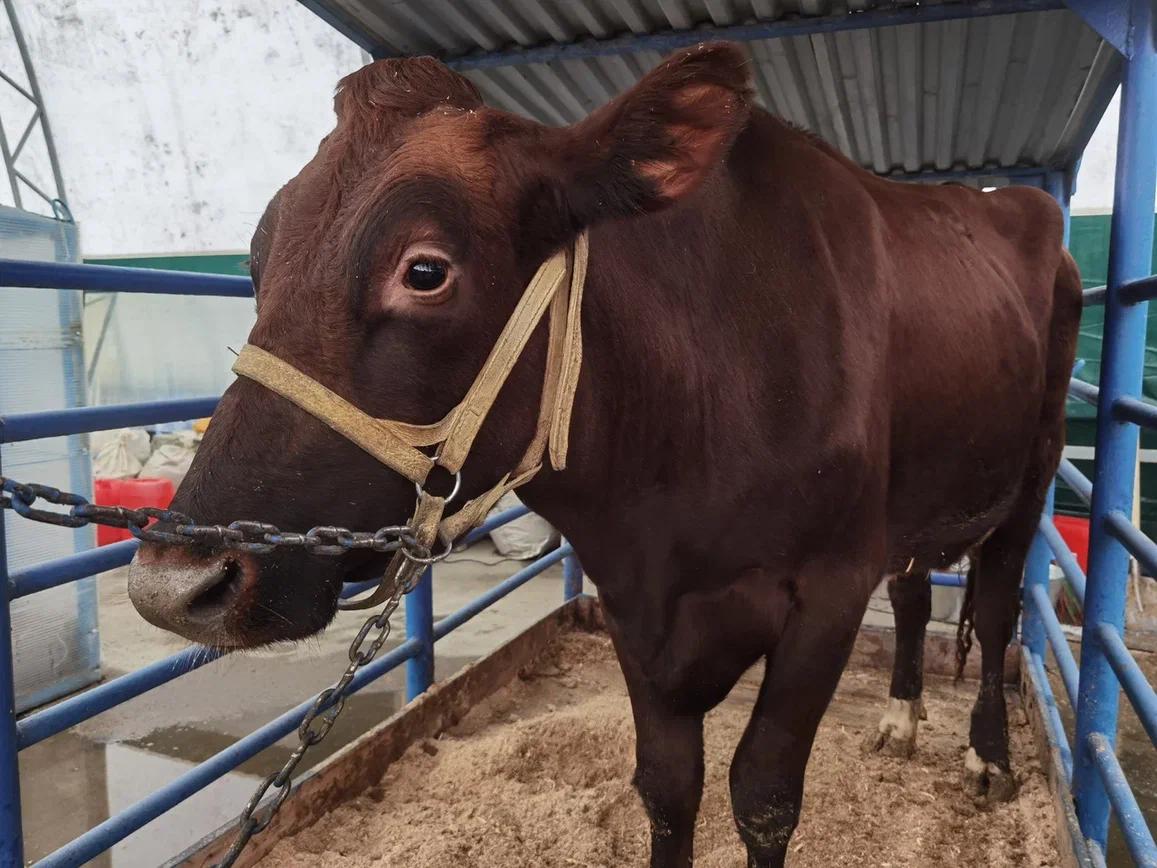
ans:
(539, 775)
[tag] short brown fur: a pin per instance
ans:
(799, 378)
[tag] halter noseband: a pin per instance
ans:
(557, 286)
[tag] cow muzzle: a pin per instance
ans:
(200, 598)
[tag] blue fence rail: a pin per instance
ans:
(416, 651)
(1106, 666)
(1099, 785)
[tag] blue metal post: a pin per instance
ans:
(1058, 184)
(1036, 572)
(11, 833)
(1122, 359)
(420, 626)
(572, 578)
(11, 837)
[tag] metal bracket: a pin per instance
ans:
(1110, 18)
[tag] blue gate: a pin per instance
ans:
(1090, 765)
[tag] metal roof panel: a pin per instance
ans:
(1011, 90)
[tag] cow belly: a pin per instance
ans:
(963, 481)
(942, 540)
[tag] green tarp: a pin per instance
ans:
(1089, 243)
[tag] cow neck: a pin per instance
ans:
(557, 286)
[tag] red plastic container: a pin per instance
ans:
(1075, 532)
(133, 493)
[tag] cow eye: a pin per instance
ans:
(426, 275)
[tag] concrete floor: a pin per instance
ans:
(74, 780)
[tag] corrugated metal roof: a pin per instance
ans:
(975, 93)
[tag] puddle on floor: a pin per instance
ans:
(71, 783)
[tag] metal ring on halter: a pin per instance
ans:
(431, 558)
(453, 493)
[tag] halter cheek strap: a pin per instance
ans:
(557, 286)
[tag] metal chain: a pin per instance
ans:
(259, 538)
(324, 712)
(248, 536)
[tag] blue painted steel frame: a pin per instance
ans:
(54, 423)
(1116, 437)
(1036, 575)
(114, 278)
(1098, 782)
(11, 830)
(1122, 360)
(572, 578)
(420, 628)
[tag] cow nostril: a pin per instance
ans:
(218, 595)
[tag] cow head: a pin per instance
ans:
(386, 270)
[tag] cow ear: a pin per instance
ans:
(657, 142)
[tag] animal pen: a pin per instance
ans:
(982, 93)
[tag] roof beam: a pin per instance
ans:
(670, 40)
(1110, 18)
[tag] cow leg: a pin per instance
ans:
(676, 669)
(911, 597)
(668, 771)
(996, 595)
(767, 772)
(987, 772)
(668, 755)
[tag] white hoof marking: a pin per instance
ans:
(988, 782)
(896, 733)
(901, 718)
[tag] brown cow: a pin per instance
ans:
(799, 378)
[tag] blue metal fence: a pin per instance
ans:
(1106, 666)
(417, 651)
(1099, 785)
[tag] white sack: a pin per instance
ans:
(524, 538)
(122, 454)
(172, 455)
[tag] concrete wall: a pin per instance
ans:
(176, 122)
(1094, 193)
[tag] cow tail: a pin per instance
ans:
(967, 612)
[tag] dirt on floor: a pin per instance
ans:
(539, 775)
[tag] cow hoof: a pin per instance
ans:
(896, 733)
(987, 782)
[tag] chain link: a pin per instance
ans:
(320, 718)
(258, 538)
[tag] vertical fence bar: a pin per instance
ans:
(572, 578)
(1122, 357)
(1036, 572)
(11, 837)
(1058, 185)
(11, 833)
(420, 626)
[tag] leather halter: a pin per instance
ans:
(557, 286)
